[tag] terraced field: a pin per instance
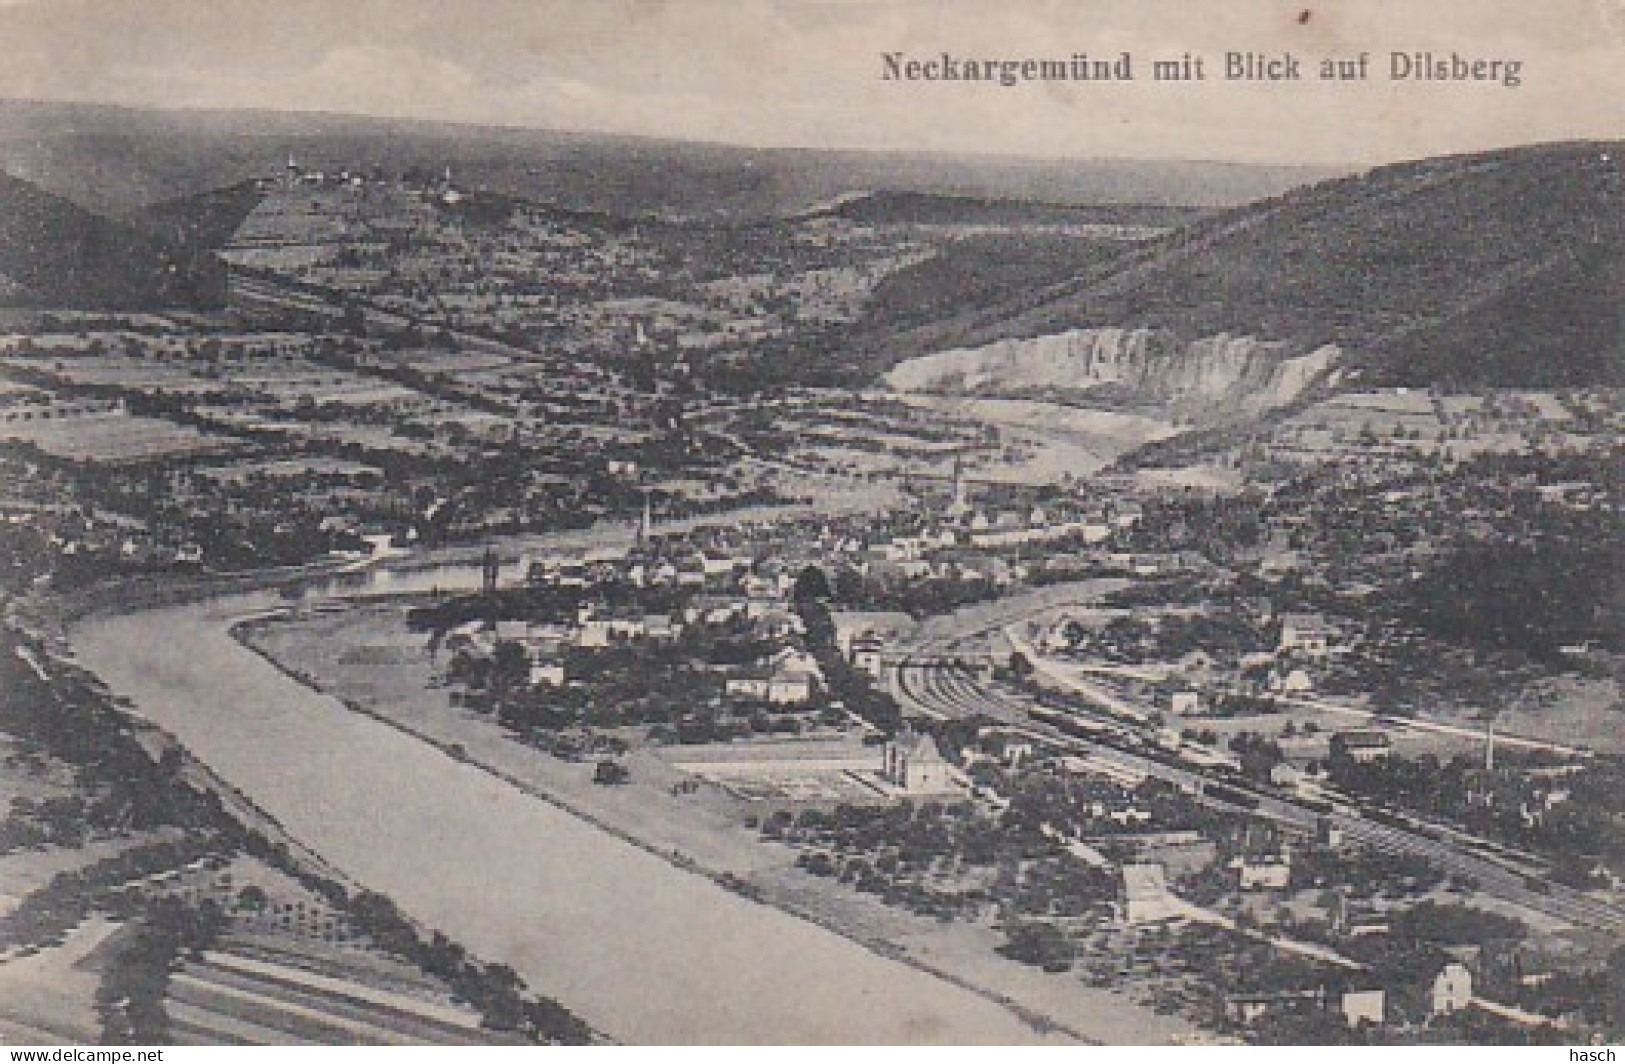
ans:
(258, 991)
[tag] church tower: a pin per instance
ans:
(489, 568)
(646, 524)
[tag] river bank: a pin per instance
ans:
(644, 951)
(365, 658)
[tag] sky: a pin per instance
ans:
(808, 73)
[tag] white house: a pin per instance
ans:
(550, 674)
(1361, 747)
(791, 687)
(1144, 895)
(1286, 774)
(1363, 1006)
(594, 633)
(721, 564)
(1307, 634)
(1184, 703)
(761, 605)
(789, 678)
(1452, 989)
(751, 683)
(661, 627)
(1292, 682)
(1267, 873)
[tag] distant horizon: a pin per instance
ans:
(590, 134)
(811, 74)
(1327, 169)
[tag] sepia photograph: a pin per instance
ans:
(812, 522)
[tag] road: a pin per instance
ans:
(948, 692)
(1522, 742)
(961, 632)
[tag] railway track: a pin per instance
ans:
(945, 692)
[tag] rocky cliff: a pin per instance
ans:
(1203, 379)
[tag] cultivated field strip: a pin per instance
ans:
(348, 990)
(228, 998)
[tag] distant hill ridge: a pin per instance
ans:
(1499, 268)
(886, 206)
(117, 159)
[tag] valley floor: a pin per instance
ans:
(367, 658)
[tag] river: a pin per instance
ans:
(645, 952)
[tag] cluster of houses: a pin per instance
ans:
(788, 676)
(1465, 977)
(105, 536)
(719, 590)
(960, 545)
(1451, 987)
(865, 637)
(963, 525)
(1011, 528)
(1305, 641)
(693, 569)
(1144, 897)
(27, 405)
(727, 581)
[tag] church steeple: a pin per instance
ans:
(646, 523)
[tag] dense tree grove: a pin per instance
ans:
(1530, 597)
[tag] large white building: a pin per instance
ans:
(913, 763)
(1145, 897)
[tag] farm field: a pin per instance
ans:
(259, 990)
(112, 438)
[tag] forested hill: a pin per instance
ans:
(55, 253)
(1503, 268)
